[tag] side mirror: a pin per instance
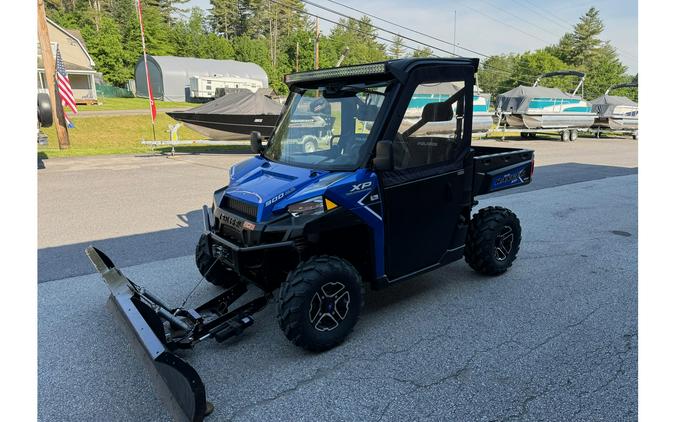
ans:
(256, 143)
(437, 112)
(384, 156)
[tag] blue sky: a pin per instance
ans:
(496, 26)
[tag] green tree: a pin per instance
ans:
(191, 39)
(105, 45)
(361, 38)
(169, 9)
(581, 47)
(224, 17)
(605, 70)
(495, 71)
(256, 51)
(532, 64)
(423, 52)
(396, 49)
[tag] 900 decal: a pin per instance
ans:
(278, 197)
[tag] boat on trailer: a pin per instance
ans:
(539, 107)
(616, 112)
(233, 116)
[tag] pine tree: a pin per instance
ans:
(224, 17)
(396, 49)
(423, 52)
(581, 46)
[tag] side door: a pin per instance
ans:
(430, 183)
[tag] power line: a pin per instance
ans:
(546, 30)
(566, 25)
(488, 67)
(341, 24)
(403, 27)
(376, 27)
(506, 24)
(548, 15)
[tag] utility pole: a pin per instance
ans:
(316, 45)
(297, 56)
(454, 35)
(50, 77)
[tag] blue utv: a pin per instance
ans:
(386, 196)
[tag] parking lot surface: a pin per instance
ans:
(555, 338)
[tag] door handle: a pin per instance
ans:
(448, 191)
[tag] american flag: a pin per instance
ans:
(65, 91)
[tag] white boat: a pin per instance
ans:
(539, 107)
(616, 112)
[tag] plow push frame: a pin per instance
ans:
(156, 331)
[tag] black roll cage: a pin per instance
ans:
(406, 75)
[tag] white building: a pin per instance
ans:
(170, 76)
(77, 61)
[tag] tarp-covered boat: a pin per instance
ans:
(616, 112)
(539, 107)
(233, 116)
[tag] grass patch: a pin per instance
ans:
(113, 103)
(122, 135)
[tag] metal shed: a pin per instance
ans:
(170, 76)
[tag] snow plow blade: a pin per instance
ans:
(175, 381)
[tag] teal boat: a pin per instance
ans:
(539, 107)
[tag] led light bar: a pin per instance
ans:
(336, 72)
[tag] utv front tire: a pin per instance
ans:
(320, 303)
(493, 240)
(210, 268)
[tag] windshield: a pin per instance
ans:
(327, 127)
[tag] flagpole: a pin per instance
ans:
(151, 98)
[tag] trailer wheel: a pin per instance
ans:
(320, 302)
(493, 240)
(574, 134)
(213, 271)
(310, 143)
(565, 136)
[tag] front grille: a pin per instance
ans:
(241, 208)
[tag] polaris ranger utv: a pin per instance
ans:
(378, 203)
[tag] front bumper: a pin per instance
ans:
(241, 257)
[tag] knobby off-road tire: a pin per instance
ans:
(320, 303)
(493, 240)
(219, 274)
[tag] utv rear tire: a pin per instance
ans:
(320, 303)
(213, 271)
(493, 240)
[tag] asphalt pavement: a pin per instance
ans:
(555, 338)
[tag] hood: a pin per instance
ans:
(273, 186)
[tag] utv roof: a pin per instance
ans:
(398, 68)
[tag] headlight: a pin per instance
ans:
(316, 205)
(307, 207)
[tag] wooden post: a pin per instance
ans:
(50, 77)
(297, 56)
(316, 45)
